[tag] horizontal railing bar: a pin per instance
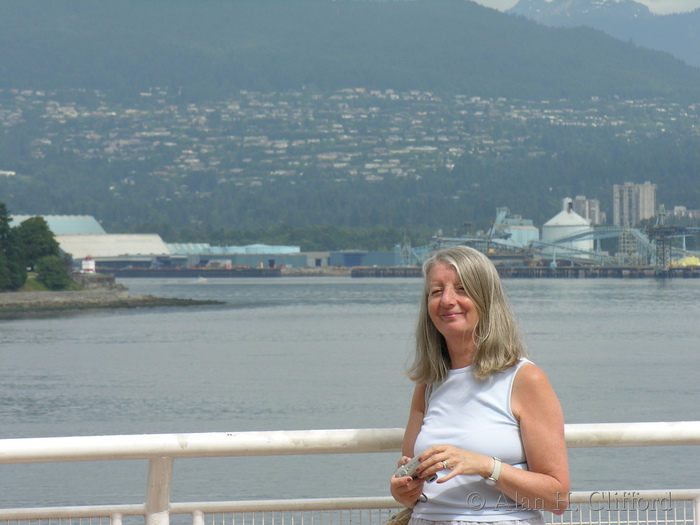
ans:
(218, 444)
(88, 511)
(317, 504)
(390, 503)
(310, 504)
(633, 434)
(603, 496)
(335, 441)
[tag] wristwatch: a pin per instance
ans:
(492, 480)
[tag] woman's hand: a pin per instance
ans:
(446, 457)
(406, 490)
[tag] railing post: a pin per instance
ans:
(160, 475)
(696, 511)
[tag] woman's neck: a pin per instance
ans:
(461, 353)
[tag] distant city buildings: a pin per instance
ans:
(684, 213)
(589, 209)
(633, 203)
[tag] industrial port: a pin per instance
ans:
(568, 246)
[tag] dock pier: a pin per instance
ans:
(543, 272)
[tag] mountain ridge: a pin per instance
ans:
(449, 45)
(625, 20)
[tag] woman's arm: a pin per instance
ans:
(546, 483)
(406, 490)
(415, 420)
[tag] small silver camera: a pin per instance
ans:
(409, 469)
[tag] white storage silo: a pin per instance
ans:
(567, 222)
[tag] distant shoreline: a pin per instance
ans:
(26, 304)
(204, 273)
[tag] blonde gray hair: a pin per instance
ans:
(499, 341)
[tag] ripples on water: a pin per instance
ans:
(304, 353)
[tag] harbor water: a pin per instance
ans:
(315, 353)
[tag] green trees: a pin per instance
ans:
(13, 273)
(37, 240)
(4, 272)
(29, 245)
(52, 272)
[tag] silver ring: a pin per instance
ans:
(444, 465)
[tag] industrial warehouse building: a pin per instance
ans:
(187, 255)
(82, 237)
(116, 250)
(355, 258)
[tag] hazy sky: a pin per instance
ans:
(660, 7)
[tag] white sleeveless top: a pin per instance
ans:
(473, 415)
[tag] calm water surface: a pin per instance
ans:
(311, 353)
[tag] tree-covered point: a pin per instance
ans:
(30, 245)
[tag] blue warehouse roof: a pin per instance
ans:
(65, 224)
(207, 249)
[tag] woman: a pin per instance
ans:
(483, 417)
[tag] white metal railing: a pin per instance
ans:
(161, 450)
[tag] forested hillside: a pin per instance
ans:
(412, 162)
(211, 47)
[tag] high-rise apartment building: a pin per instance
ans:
(589, 209)
(633, 203)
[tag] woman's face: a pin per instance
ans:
(450, 308)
